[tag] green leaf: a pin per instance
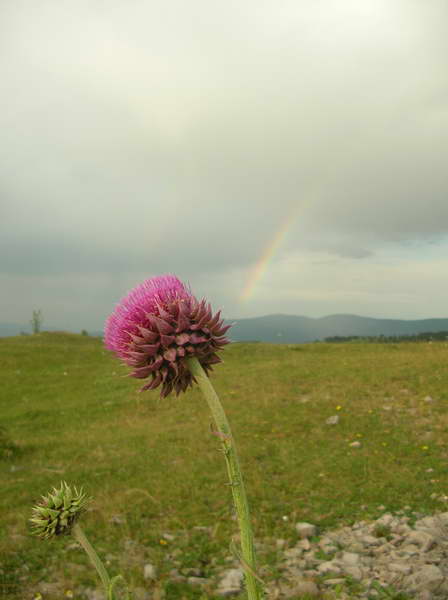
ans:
(57, 501)
(40, 522)
(67, 496)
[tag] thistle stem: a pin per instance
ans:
(80, 537)
(235, 477)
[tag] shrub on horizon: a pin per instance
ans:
(36, 321)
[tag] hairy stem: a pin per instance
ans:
(80, 537)
(235, 478)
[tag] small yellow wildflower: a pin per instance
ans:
(424, 447)
(68, 594)
(338, 407)
(359, 435)
(37, 596)
(163, 542)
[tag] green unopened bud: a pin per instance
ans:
(58, 511)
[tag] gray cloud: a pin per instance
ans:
(148, 137)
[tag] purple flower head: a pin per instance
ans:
(157, 326)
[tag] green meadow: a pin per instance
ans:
(158, 479)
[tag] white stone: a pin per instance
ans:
(354, 572)
(117, 520)
(355, 444)
(350, 558)
(149, 572)
(305, 530)
(403, 529)
(293, 552)
(230, 583)
(423, 540)
(428, 577)
(400, 568)
(370, 540)
(305, 544)
(410, 549)
(334, 581)
(386, 519)
(427, 523)
(328, 567)
(50, 588)
(355, 547)
(333, 420)
(199, 581)
(443, 517)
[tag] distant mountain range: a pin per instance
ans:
(11, 329)
(289, 329)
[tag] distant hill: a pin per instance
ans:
(7, 329)
(290, 329)
(11, 329)
(294, 329)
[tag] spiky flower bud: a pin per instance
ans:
(157, 326)
(58, 511)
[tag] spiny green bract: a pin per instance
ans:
(58, 511)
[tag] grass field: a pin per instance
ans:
(153, 467)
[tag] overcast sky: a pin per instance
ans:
(140, 137)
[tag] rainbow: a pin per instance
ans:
(262, 264)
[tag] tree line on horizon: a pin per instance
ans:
(428, 336)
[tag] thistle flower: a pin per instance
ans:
(56, 513)
(158, 326)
